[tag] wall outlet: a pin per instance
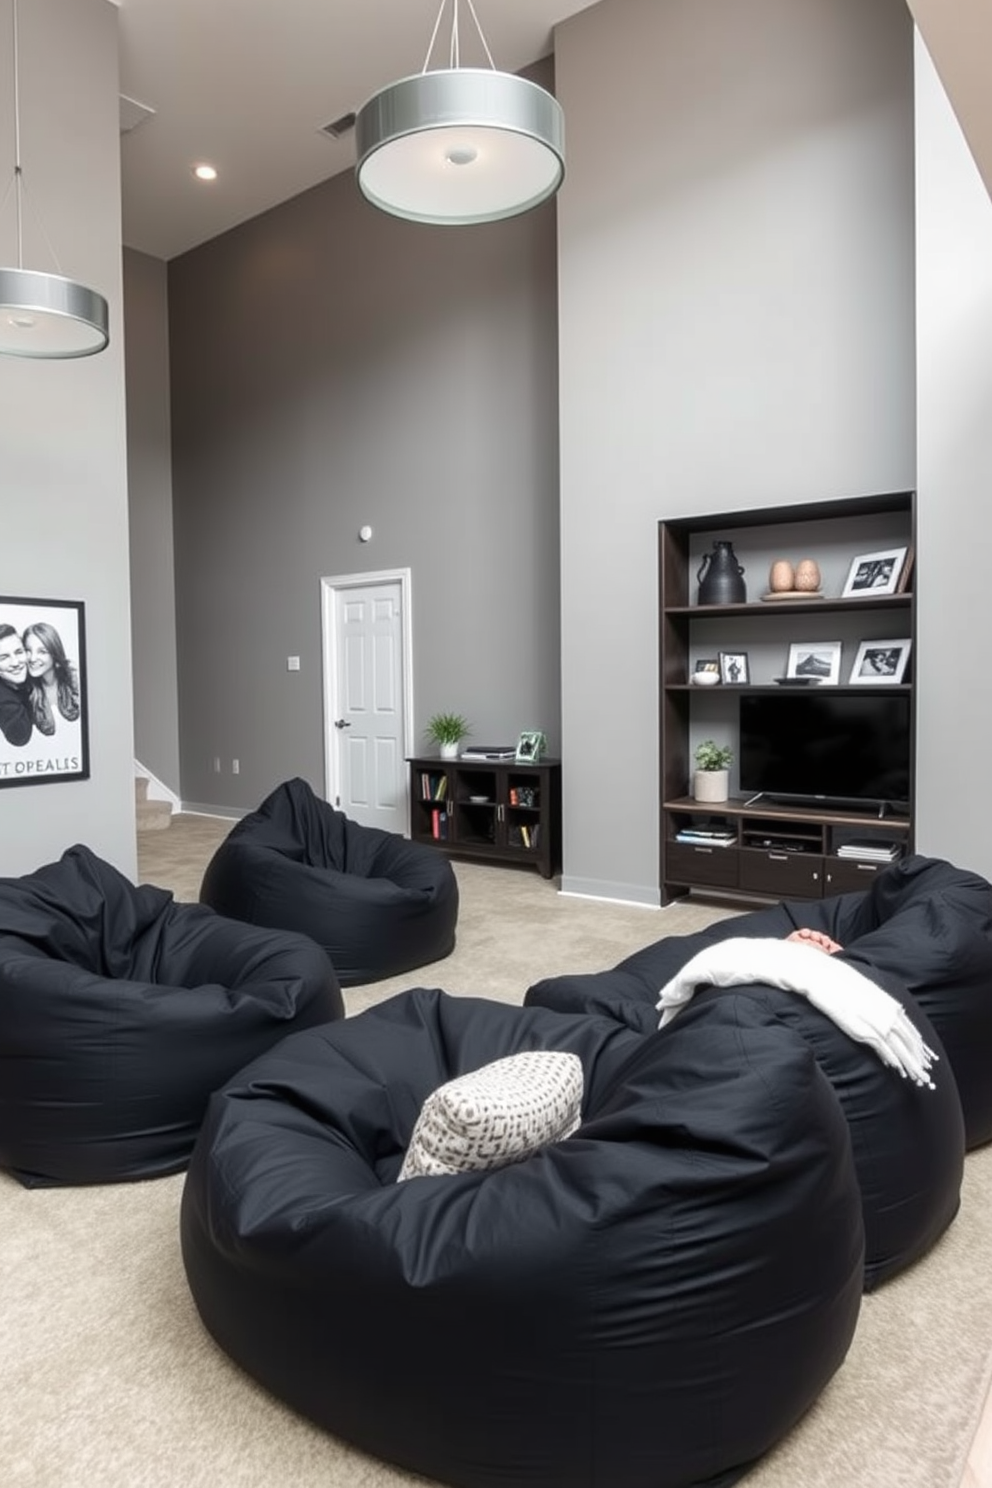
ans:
(292, 663)
(216, 764)
(235, 767)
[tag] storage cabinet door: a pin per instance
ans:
(696, 864)
(430, 802)
(845, 875)
(525, 810)
(785, 875)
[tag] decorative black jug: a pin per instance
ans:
(721, 577)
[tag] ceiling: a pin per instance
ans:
(248, 85)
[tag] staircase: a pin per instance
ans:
(151, 816)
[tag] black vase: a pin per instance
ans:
(721, 577)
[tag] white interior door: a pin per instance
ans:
(367, 708)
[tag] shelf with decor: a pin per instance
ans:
(505, 812)
(847, 722)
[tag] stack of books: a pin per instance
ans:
(707, 836)
(870, 852)
(490, 752)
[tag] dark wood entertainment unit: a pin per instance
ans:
(494, 811)
(780, 852)
(774, 851)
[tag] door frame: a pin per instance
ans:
(330, 588)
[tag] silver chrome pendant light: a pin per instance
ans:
(44, 315)
(460, 145)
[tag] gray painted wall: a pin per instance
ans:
(149, 474)
(954, 316)
(737, 328)
(63, 491)
(736, 249)
(331, 367)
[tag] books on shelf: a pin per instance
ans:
(433, 787)
(707, 837)
(870, 851)
(525, 836)
(490, 752)
(439, 824)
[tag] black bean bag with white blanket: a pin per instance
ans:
(121, 1011)
(650, 1303)
(377, 903)
(923, 924)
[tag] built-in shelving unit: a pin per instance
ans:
(771, 850)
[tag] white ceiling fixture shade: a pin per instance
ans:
(44, 315)
(460, 145)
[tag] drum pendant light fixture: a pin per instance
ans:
(44, 315)
(459, 145)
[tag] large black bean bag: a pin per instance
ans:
(928, 925)
(121, 1011)
(651, 1303)
(376, 902)
(908, 1142)
(924, 926)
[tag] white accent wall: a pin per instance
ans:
(63, 491)
(954, 376)
(736, 309)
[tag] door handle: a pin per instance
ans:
(341, 723)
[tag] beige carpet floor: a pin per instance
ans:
(108, 1380)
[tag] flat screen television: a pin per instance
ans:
(822, 745)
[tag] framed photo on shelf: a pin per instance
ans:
(880, 663)
(875, 573)
(530, 748)
(907, 571)
(44, 724)
(815, 660)
(734, 670)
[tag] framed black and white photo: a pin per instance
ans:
(530, 747)
(880, 662)
(875, 573)
(43, 718)
(815, 661)
(734, 668)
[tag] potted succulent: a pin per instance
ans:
(447, 730)
(711, 781)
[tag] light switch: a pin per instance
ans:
(292, 663)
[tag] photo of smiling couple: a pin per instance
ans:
(42, 698)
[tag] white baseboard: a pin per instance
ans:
(634, 895)
(202, 808)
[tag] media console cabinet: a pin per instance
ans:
(775, 851)
(492, 811)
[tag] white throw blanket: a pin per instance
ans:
(855, 1004)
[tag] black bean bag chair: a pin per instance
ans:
(650, 1303)
(927, 925)
(377, 903)
(121, 1011)
(921, 926)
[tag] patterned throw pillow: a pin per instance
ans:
(496, 1115)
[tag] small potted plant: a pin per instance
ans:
(712, 777)
(447, 730)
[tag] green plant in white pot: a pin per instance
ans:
(711, 781)
(447, 730)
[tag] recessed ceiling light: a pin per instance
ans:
(204, 172)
